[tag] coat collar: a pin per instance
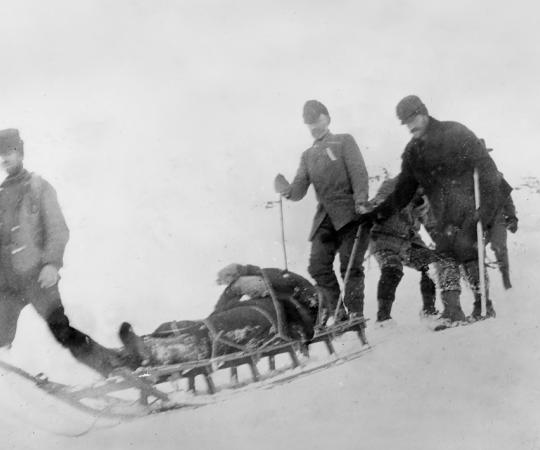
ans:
(15, 178)
(324, 137)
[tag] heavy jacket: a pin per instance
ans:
(251, 283)
(400, 230)
(442, 163)
(335, 167)
(33, 232)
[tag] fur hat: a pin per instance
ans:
(409, 107)
(312, 111)
(10, 140)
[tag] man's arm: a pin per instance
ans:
(55, 230)
(298, 188)
(356, 169)
(403, 193)
(493, 188)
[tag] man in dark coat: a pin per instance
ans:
(395, 243)
(335, 167)
(33, 236)
(441, 158)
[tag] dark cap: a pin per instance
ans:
(10, 140)
(409, 107)
(313, 110)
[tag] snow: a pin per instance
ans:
(471, 387)
(161, 126)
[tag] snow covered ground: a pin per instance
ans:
(162, 124)
(474, 387)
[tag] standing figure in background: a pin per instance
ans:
(396, 242)
(336, 169)
(33, 236)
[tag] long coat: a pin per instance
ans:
(335, 167)
(442, 163)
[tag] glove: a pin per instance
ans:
(229, 274)
(367, 219)
(511, 223)
(281, 185)
(48, 276)
(362, 206)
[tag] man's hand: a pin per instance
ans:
(48, 276)
(367, 219)
(228, 274)
(281, 185)
(511, 223)
(362, 206)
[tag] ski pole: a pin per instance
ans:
(270, 204)
(480, 241)
(283, 232)
(348, 273)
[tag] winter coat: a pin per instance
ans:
(33, 231)
(285, 285)
(335, 167)
(401, 230)
(442, 163)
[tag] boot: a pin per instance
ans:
(427, 288)
(385, 309)
(477, 309)
(103, 360)
(506, 279)
(386, 291)
(134, 345)
(328, 299)
(490, 311)
(82, 347)
(452, 308)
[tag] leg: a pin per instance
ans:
(391, 274)
(11, 305)
(48, 304)
(321, 264)
(449, 281)
(354, 291)
(427, 288)
(472, 275)
(419, 258)
(497, 237)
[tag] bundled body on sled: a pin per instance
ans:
(260, 312)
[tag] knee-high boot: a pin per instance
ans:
(452, 307)
(386, 291)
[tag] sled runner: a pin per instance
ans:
(128, 394)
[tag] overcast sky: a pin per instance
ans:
(163, 123)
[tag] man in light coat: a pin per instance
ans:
(336, 169)
(33, 236)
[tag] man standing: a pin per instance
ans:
(335, 167)
(33, 236)
(395, 243)
(441, 158)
